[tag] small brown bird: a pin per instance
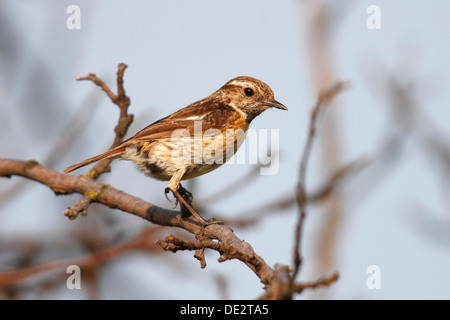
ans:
(196, 139)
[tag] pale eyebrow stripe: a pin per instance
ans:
(242, 83)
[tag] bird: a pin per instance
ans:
(196, 139)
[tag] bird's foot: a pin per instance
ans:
(185, 197)
(185, 194)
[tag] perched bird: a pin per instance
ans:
(196, 139)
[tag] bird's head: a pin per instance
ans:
(250, 96)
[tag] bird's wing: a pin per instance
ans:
(200, 115)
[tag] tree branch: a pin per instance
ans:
(231, 247)
(216, 237)
(323, 99)
(124, 122)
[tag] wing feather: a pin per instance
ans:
(199, 113)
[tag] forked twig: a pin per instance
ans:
(124, 122)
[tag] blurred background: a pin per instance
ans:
(380, 166)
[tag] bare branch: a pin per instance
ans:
(124, 122)
(216, 237)
(125, 119)
(323, 99)
(322, 282)
(231, 246)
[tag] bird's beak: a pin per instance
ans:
(276, 104)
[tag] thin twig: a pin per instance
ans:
(323, 99)
(125, 119)
(322, 282)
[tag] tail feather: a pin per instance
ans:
(105, 155)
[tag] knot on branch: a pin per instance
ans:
(122, 126)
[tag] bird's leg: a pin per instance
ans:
(185, 198)
(174, 185)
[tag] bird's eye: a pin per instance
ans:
(248, 92)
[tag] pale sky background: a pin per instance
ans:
(181, 51)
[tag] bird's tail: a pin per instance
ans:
(105, 155)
